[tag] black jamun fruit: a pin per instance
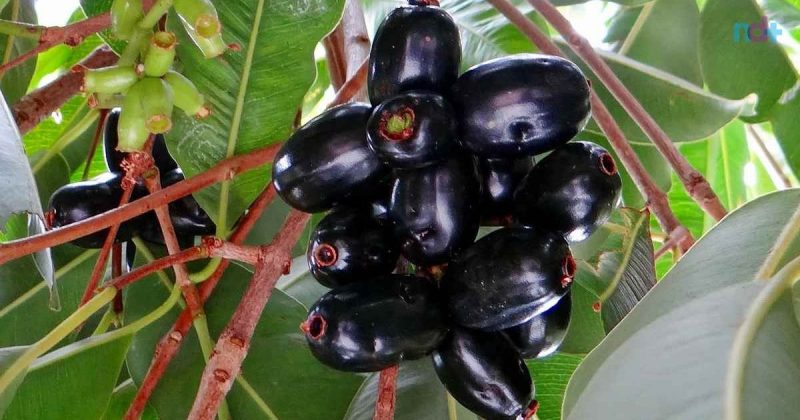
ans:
(572, 191)
(544, 333)
(328, 161)
(484, 373)
(371, 325)
(349, 245)
(412, 130)
(521, 105)
(435, 210)
(500, 178)
(415, 48)
(188, 218)
(508, 277)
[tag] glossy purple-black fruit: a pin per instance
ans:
(435, 210)
(484, 373)
(520, 105)
(371, 325)
(188, 218)
(508, 277)
(79, 201)
(572, 191)
(412, 130)
(415, 48)
(544, 333)
(349, 245)
(328, 161)
(163, 159)
(500, 178)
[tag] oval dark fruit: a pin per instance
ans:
(349, 245)
(508, 277)
(435, 210)
(328, 161)
(79, 201)
(500, 178)
(371, 325)
(415, 48)
(163, 160)
(571, 191)
(543, 334)
(520, 105)
(412, 130)
(188, 218)
(484, 373)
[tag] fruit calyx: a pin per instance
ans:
(607, 164)
(568, 268)
(325, 255)
(314, 327)
(398, 125)
(533, 407)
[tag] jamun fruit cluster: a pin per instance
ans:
(415, 174)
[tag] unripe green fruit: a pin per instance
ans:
(157, 104)
(186, 95)
(114, 79)
(160, 54)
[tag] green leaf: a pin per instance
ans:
(74, 382)
(254, 93)
(420, 396)
(96, 7)
(550, 377)
(24, 316)
(685, 111)
(787, 131)
(279, 368)
(620, 25)
(14, 83)
(734, 67)
(8, 356)
(680, 55)
(621, 270)
(586, 329)
(121, 399)
(692, 315)
(300, 284)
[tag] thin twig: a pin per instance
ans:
(696, 184)
(234, 342)
(770, 158)
(40, 103)
(387, 394)
(347, 46)
(657, 200)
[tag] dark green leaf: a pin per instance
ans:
(279, 367)
(300, 284)
(692, 315)
(586, 328)
(733, 66)
(620, 25)
(120, 401)
(786, 124)
(8, 356)
(550, 377)
(74, 382)
(255, 93)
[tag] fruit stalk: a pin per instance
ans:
(696, 184)
(387, 394)
(656, 199)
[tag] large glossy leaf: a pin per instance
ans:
(280, 368)
(7, 356)
(735, 67)
(692, 316)
(121, 399)
(19, 192)
(254, 93)
(74, 382)
(685, 111)
(550, 376)
(680, 55)
(14, 83)
(787, 131)
(586, 329)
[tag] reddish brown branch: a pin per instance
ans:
(234, 342)
(387, 394)
(657, 200)
(168, 346)
(39, 104)
(352, 86)
(695, 183)
(223, 170)
(347, 46)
